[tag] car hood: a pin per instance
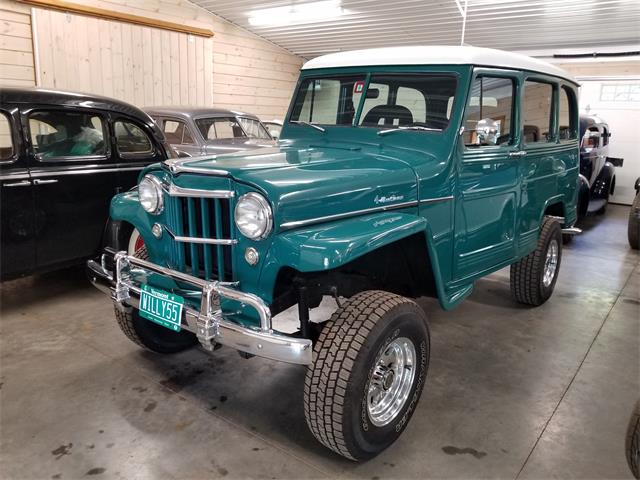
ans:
(306, 183)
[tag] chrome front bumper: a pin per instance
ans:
(209, 323)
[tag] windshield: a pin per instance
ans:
(390, 100)
(254, 128)
(220, 128)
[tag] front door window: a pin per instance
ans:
(56, 134)
(489, 112)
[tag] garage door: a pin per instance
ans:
(618, 102)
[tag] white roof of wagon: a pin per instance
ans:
(436, 55)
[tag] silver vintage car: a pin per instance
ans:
(205, 131)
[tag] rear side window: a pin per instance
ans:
(131, 139)
(536, 112)
(6, 138)
(177, 133)
(567, 123)
(489, 112)
(64, 134)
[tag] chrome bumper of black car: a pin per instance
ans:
(209, 323)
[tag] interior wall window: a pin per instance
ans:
(6, 138)
(177, 133)
(567, 126)
(66, 134)
(489, 112)
(536, 112)
(131, 139)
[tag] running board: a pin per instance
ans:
(571, 231)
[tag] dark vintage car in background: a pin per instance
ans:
(63, 156)
(597, 169)
(206, 131)
(633, 227)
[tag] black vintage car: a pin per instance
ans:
(62, 157)
(597, 169)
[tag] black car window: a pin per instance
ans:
(6, 139)
(489, 112)
(219, 128)
(63, 134)
(177, 133)
(131, 139)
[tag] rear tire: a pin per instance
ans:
(368, 371)
(534, 277)
(633, 228)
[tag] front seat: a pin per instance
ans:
(391, 115)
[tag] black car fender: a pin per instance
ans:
(584, 194)
(117, 234)
(605, 182)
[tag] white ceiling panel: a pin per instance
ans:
(310, 28)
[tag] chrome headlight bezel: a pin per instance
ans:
(155, 203)
(261, 206)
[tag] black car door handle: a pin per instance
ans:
(43, 182)
(22, 183)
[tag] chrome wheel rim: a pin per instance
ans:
(391, 381)
(550, 263)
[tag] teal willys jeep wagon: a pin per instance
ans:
(400, 172)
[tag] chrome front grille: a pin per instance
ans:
(202, 233)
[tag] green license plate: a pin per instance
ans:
(161, 307)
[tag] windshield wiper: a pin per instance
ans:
(415, 128)
(309, 124)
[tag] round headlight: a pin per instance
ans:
(150, 194)
(253, 216)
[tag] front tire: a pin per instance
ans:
(534, 277)
(144, 332)
(368, 371)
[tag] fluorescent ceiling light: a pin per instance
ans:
(297, 13)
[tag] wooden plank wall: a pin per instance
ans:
(147, 66)
(16, 49)
(140, 65)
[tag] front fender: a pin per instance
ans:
(325, 247)
(329, 246)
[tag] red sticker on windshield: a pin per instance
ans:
(358, 87)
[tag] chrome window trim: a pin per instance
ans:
(56, 173)
(176, 191)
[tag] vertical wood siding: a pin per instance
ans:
(140, 65)
(16, 49)
(148, 66)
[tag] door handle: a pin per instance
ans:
(520, 153)
(22, 183)
(37, 181)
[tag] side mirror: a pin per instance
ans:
(616, 162)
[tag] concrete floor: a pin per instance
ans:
(512, 392)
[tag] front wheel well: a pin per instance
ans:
(116, 234)
(402, 267)
(554, 210)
